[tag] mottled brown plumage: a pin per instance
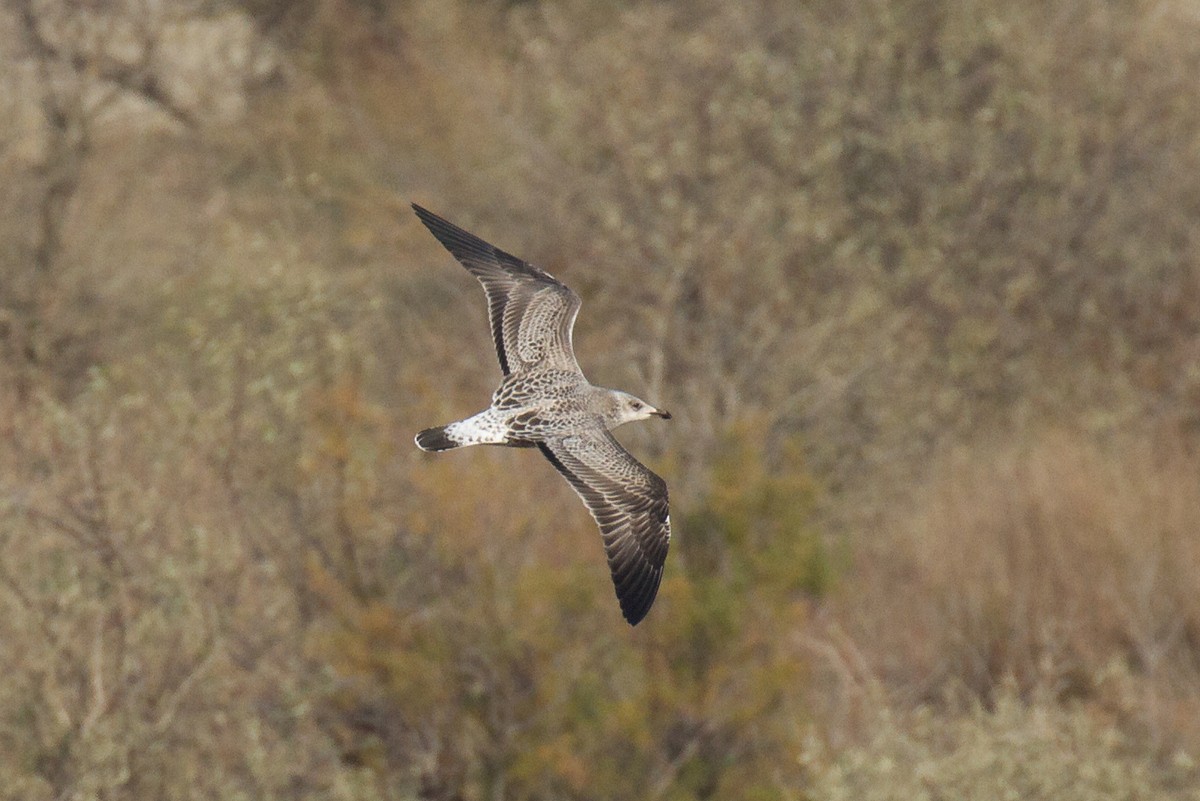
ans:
(544, 400)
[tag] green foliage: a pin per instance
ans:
(533, 688)
(754, 525)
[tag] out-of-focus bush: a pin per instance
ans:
(497, 664)
(1057, 564)
(1019, 749)
(835, 239)
(883, 224)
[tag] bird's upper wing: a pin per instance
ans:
(531, 311)
(629, 503)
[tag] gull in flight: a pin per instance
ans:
(544, 401)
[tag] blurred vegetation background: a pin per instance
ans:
(919, 279)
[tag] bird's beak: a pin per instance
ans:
(663, 413)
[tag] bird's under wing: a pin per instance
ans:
(629, 503)
(531, 312)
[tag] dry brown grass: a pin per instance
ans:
(1055, 562)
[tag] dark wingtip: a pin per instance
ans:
(634, 615)
(430, 219)
(459, 241)
(636, 601)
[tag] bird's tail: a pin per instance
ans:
(436, 439)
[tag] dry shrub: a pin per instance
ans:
(882, 224)
(154, 526)
(1034, 751)
(867, 227)
(127, 606)
(495, 662)
(1059, 562)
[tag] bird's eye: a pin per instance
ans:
(637, 405)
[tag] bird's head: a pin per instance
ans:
(629, 408)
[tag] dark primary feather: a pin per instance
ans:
(531, 312)
(629, 504)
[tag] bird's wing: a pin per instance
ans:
(532, 312)
(629, 503)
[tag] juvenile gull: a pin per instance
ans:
(544, 400)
